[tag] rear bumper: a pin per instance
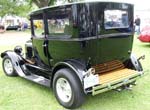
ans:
(115, 84)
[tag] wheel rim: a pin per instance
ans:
(63, 90)
(8, 66)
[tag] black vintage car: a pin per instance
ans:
(15, 27)
(78, 49)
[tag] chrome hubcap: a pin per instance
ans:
(63, 90)
(8, 66)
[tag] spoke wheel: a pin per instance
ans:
(68, 89)
(8, 67)
(63, 90)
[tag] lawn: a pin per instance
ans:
(19, 94)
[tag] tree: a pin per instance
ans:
(14, 7)
(22, 7)
(43, 3)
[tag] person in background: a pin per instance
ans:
(25, 26)
(137, 24)
(2, 29)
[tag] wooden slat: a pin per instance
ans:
(115, 75)
(109, 66)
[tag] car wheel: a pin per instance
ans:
(68, 89)
(8, 67)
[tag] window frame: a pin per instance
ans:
(39, 16)
(121, 27)
(58, 11)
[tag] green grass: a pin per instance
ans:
(19, 94)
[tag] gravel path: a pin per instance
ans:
(14, 37)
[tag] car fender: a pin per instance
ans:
(136, 63)
(79, 68)
(15, 58)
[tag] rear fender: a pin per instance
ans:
(79, 68)
(136, 63)
(15, 58)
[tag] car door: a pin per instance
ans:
(40, 43)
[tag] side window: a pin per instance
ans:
(38, 28)
(60, 23)
(59, 26)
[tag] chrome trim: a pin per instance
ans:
(87, 38)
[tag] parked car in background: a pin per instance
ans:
(15, 27)
(145, 34)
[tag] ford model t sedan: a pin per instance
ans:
(78, 49)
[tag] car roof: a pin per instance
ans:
(80, 2)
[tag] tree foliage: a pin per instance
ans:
(43, 3)
(22, 7)
(14, 7)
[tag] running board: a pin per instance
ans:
(39, 68)
(38, 79)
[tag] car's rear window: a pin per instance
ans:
(116, 19)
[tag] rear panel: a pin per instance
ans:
(114, 22)
(114, 49)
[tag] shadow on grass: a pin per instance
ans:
(35, 85)
(91, 102)
(111, 99)
(145, 45)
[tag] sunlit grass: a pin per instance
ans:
(19, 94)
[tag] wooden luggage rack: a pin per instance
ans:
(112, 75)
